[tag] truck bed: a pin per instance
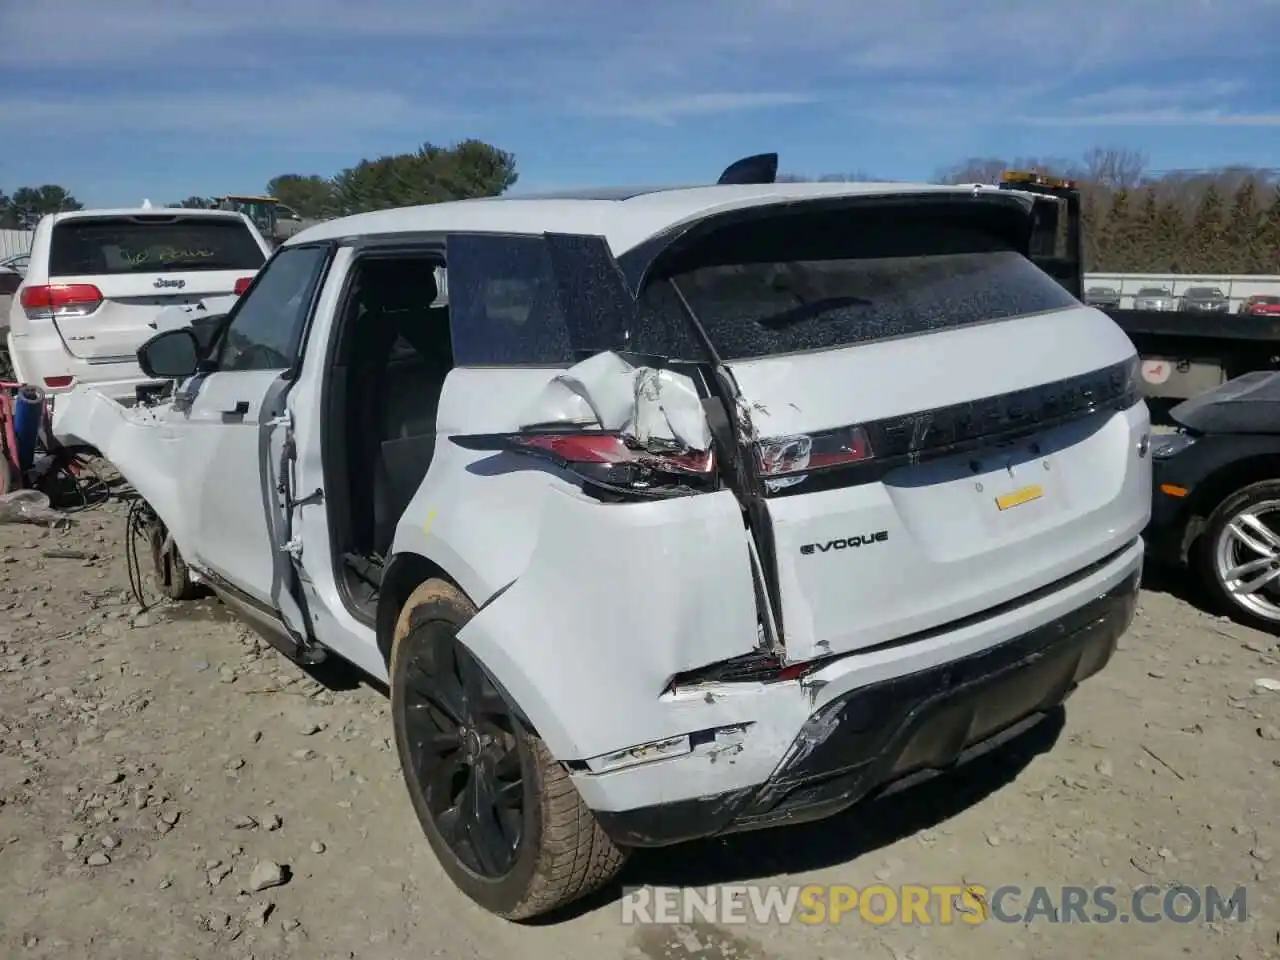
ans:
(1185, 354)
(1225, 327)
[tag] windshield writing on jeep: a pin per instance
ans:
(165, 255)
(94, 246)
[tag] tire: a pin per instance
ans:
(559, 853)
(173, 579)
(1220, 550)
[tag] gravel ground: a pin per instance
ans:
(171, 788)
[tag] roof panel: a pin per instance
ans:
(624, 218)
(593, 193)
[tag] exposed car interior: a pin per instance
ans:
(390, 363)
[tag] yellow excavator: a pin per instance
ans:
(275, 221)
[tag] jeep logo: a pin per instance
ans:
(845, 543)
(163, 284)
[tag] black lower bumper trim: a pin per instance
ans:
(888, 735)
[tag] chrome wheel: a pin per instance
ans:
(1246, 559)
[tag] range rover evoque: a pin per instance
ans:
(664, 513)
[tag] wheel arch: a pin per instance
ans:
(404, 574)
(1209, 494)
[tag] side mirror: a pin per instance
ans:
(171, 355)
(207, 330)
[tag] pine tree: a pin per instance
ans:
(1149, 247)
(1269, 236)
(1208, 246)
(1171, 227)
(1114, 252)
(1243, 234)
(1093, 217)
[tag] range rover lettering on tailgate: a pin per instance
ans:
(663, 514)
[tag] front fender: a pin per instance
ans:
(141, 442)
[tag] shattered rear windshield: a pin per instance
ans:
(794, 284)
(162, 244)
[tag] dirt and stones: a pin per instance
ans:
(170, 788)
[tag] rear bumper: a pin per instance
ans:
(39, 359)
(885, 736)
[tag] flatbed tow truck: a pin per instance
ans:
(1184, 353)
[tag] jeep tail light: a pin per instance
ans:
(243, 284)
(58, 300)
(806, 452)
(59, 382)
(605, 459)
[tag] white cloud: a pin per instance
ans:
(87, 33)
(667, 110)
(313, 113)
(1140, 97)
(921, 62)
(1211, 102)
(909, 35)
(1171, 117)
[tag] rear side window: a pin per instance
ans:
(143, 244)
(504, 303)
(816, 281)
(535, 300)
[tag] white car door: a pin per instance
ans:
(232, 428)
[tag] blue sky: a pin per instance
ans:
(161, 99)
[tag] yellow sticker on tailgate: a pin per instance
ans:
(1019, 497)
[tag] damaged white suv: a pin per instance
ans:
(678, 513)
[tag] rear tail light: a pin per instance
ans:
(243, 284)
(53, 301)
(607, 460)
(783, 458)
(759, 666)
(57, 383)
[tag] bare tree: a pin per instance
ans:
(858, 176)
(974, 170)
(1114, 168)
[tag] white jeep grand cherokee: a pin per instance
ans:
(684, 512)
(97, 281)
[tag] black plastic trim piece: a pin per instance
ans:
(880, 737)
(945, 431)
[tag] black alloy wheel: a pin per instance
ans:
(499, 809)
(464, 742)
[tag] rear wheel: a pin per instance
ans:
(172, 576)
(1239, 554)
(499, 811)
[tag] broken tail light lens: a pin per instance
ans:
(610, 448)
(57, 300)
(782, 457)
(606, 459)
(759, 666)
